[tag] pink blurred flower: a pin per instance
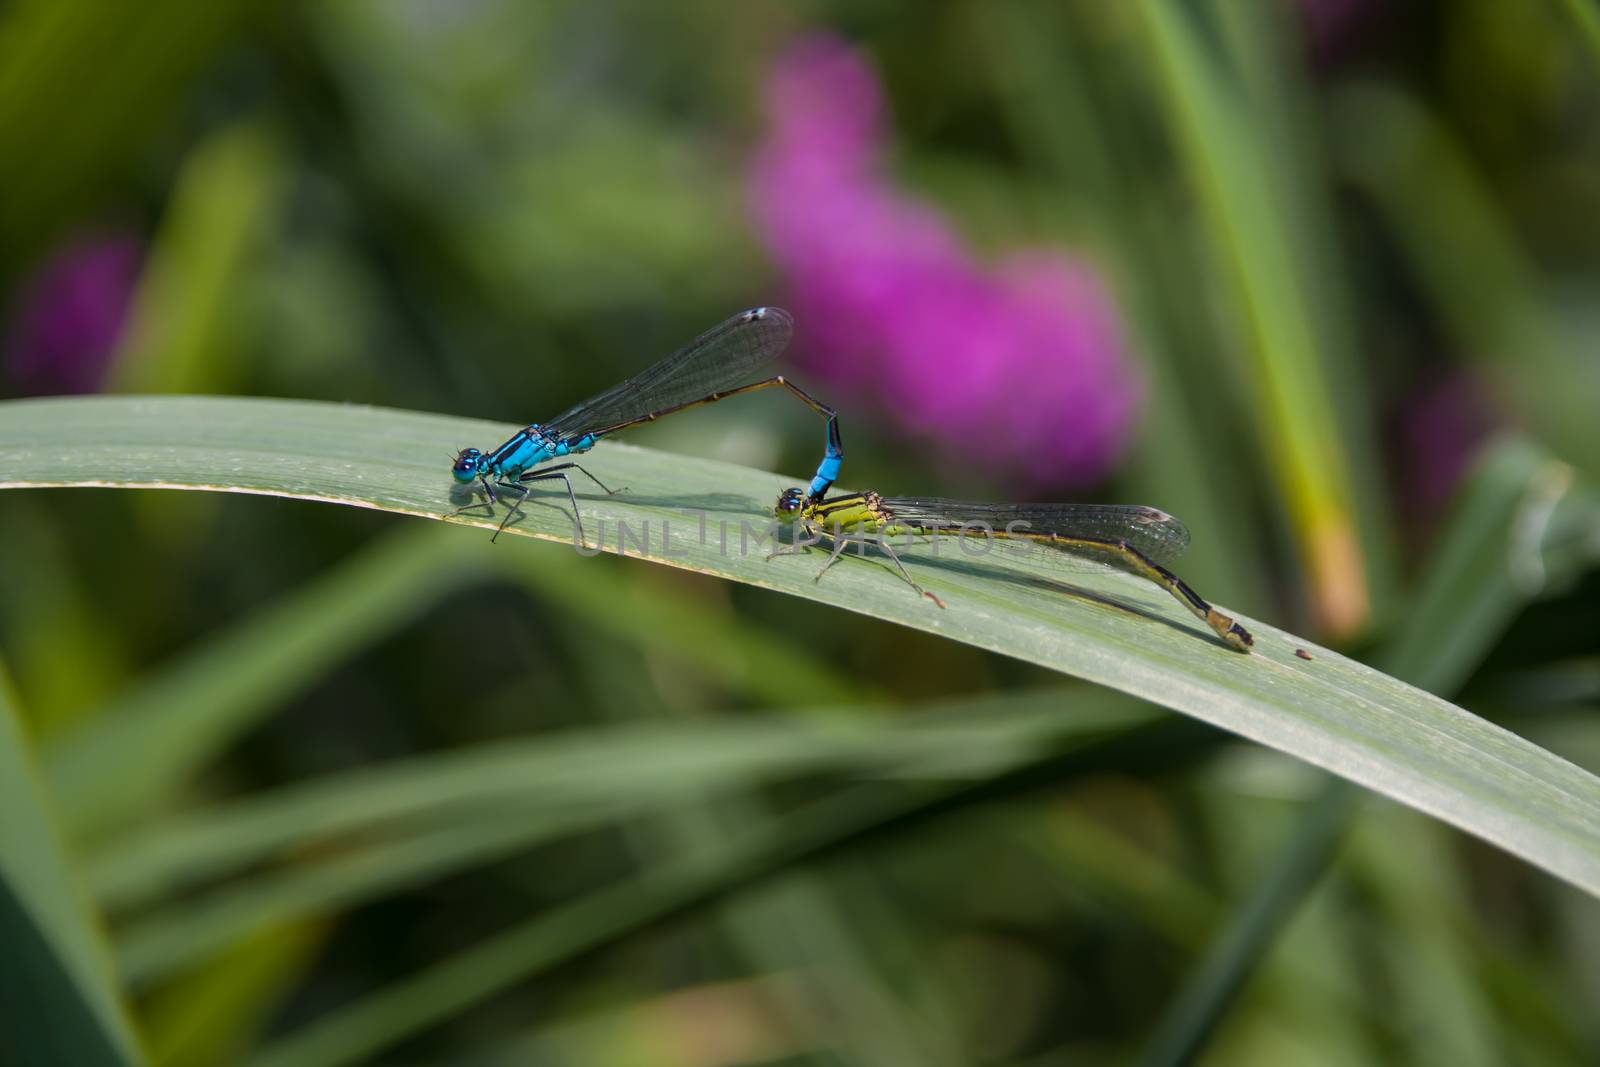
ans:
(1447, 421)
(1017, 366)
(70, 316)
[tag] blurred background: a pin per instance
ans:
(1318, 276)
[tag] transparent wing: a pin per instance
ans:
(725, 356)
(1158, 535)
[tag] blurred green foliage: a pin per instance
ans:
(1322, 222)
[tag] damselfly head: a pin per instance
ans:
(790, 501)
(466, 465)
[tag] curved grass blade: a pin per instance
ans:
(1096, 624)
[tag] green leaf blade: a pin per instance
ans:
(1093, 623)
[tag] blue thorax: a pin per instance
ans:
(530, 447)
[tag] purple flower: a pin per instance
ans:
(70, 316)
(1447, 421)
(1018, 366)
